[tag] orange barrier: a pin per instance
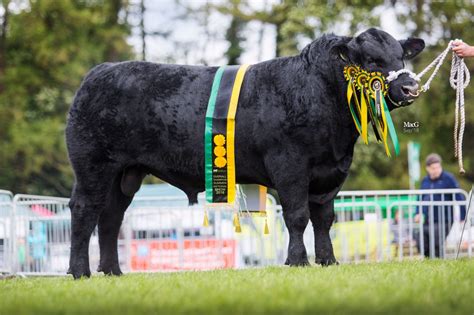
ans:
(196, 254)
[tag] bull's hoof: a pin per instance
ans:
(77, 273)
(110, 270)
(297, 263)
(326, 261)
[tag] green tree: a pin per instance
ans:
(50, 45)
(235, 38)
(295, 20)
(298, 22)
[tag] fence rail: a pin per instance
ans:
(160, 234)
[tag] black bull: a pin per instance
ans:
(294, 133)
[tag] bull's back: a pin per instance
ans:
(138, 109)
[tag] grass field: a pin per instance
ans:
(428, 287)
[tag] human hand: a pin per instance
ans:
(462, 49)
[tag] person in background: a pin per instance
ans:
(38, 242)
(462, 49)
(21, 249)
(443, 216)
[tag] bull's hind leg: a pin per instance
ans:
(322, 217)
(124, 187)
(88, 200)
(110, 221)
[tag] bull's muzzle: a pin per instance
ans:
(411, 91)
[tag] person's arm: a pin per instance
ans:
(459, 197)
(424, 209)
(462, 49)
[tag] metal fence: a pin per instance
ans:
(157, 237)
(385, 225)
(6, 204)
(40, 234)
(163, 234)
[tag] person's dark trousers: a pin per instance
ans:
(439, 240)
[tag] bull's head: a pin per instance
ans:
(376, 50)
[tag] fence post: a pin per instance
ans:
(13, 241)
(180, 240)
(379, 233)
(468, 217)
(5, 225)
(128, 244)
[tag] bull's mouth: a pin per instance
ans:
(406, 95)
(405, 102)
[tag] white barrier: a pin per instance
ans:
(381, 225)
(174, 238)
(40, 234)
(5, 223)
(162, 234)
(153, 237)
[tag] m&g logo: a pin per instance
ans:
(219, 151)
(411, 127)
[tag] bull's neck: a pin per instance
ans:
(319, 94)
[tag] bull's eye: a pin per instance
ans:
(376, 62)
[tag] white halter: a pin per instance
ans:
(393, 75)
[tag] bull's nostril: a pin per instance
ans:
(411, 90)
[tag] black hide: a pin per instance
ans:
(294, 133)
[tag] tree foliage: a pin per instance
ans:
(297, 22)
(49, 46)
(46, 47)
(235, 38)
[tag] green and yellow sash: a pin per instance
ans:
(220, 132)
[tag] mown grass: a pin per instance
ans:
(424, 287)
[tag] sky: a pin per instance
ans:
(193, 46)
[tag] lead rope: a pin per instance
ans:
(459, 79)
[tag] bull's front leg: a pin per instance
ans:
(289, 174)
(322, 217)
(294, 200)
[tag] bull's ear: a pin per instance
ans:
(412, 47)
